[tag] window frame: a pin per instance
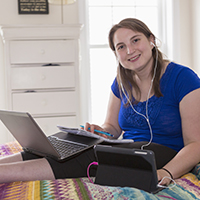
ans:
(165, 36)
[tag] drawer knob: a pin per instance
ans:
(42, 51)
(43, 77)
(44, 102)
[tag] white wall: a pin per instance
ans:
(195, 36)
(67, 14)
(186, 31)
(182, 48)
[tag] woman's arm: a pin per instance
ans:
(189, 155)
(111, 122)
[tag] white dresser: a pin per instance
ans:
(42, 73)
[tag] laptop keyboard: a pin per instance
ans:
(65, 148)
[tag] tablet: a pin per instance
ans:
(125, 167)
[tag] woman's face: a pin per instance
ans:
(133, 50)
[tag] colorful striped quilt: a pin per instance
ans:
(187, 187)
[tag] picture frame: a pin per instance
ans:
(33, 7)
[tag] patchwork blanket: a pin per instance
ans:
(187, 187)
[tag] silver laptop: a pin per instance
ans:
(60, 146)
(126, 167)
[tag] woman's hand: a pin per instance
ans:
(161, 173)
(92, 127)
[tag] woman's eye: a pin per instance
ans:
(120, 47)
(136, 40)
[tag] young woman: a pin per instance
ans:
(153, 101)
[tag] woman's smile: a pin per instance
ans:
(135, 58)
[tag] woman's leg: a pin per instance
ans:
(37, 169)
(11, 158)
(29, 167)
(162, 153)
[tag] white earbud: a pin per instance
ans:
(152, 44)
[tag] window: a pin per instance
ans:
(102, 15)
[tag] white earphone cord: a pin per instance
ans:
(147, 116)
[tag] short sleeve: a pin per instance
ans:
(187, 81)
(115, 88)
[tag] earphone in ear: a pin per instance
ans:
(152, 44)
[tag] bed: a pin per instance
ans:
(187, 187)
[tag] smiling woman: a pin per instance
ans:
(149, 99)
(111, 12)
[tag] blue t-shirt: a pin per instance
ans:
(164, 114)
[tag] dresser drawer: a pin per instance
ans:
(49, 51)
(42, 77)
(49, 124)
(45, 102)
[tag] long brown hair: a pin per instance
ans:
(125, 76)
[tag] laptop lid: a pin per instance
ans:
(126, 168)
(30, 136)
